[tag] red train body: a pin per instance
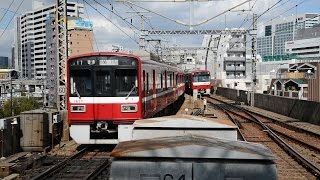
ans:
(106, 89)
(198, 81)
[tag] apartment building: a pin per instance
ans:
(30, 50)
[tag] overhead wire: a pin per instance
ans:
(186, 24)
(246, 18)
(7, 10)
(149, 24)
(111, 22)
(94, 37)
(11, 19)
(295, 6)
(122, 18)
(116, 14)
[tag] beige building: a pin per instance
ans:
(80, 41)
(300, 81)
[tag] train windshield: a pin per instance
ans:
(103, 76)
(81, 82)
(126, 82)
(201, 78)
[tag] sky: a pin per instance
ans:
(114, 28)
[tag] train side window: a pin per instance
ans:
(147, 83)
(159, 82)
(144, 79)
(177, 77)
(153, 80)
(165, 80)
(173, 82)
(169, 80)
(162, 81)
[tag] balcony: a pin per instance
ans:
(235, 58)
(236, 40)
(230, 68)
(236, 49)
(240, 68)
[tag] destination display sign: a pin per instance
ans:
(109, 62)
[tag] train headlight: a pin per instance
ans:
(129, 108)
(78, 108)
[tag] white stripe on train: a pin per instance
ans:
(112, 100)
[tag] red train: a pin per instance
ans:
(198, 80)
(106, 89)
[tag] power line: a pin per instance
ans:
(94, 37)
(269, 9)
(11, 19)
(149, 23)
(115, 14)
(111, 22)
(122, 18)
(246, 18)
(186, 24)
(7, 11)
(285, 11)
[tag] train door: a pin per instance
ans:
(103, 93)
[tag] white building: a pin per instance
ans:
(228, 63)
(304, 48)
(273, 35)
(306, 44)
(30, 51)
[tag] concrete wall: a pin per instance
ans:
(307, 111)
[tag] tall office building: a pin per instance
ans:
(274, 34)
(30, 38)
(4, 62)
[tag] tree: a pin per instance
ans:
(19, 105)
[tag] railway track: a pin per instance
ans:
(88, 164)
(297, 151)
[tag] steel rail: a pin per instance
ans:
(96, 173)
(45, 174)
(305, 162)
(232, 119)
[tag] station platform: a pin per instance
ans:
(178, 125)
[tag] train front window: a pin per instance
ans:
(103, 83)
(201, 78)
(80, 83)
(126, 82)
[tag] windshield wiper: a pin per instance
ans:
(134, 86)
(77, 92)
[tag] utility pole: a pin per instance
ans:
(142, 34)
(11, 98)
(62, 52)
(254, 57)
(206, 61)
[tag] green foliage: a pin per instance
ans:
(19, 105)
